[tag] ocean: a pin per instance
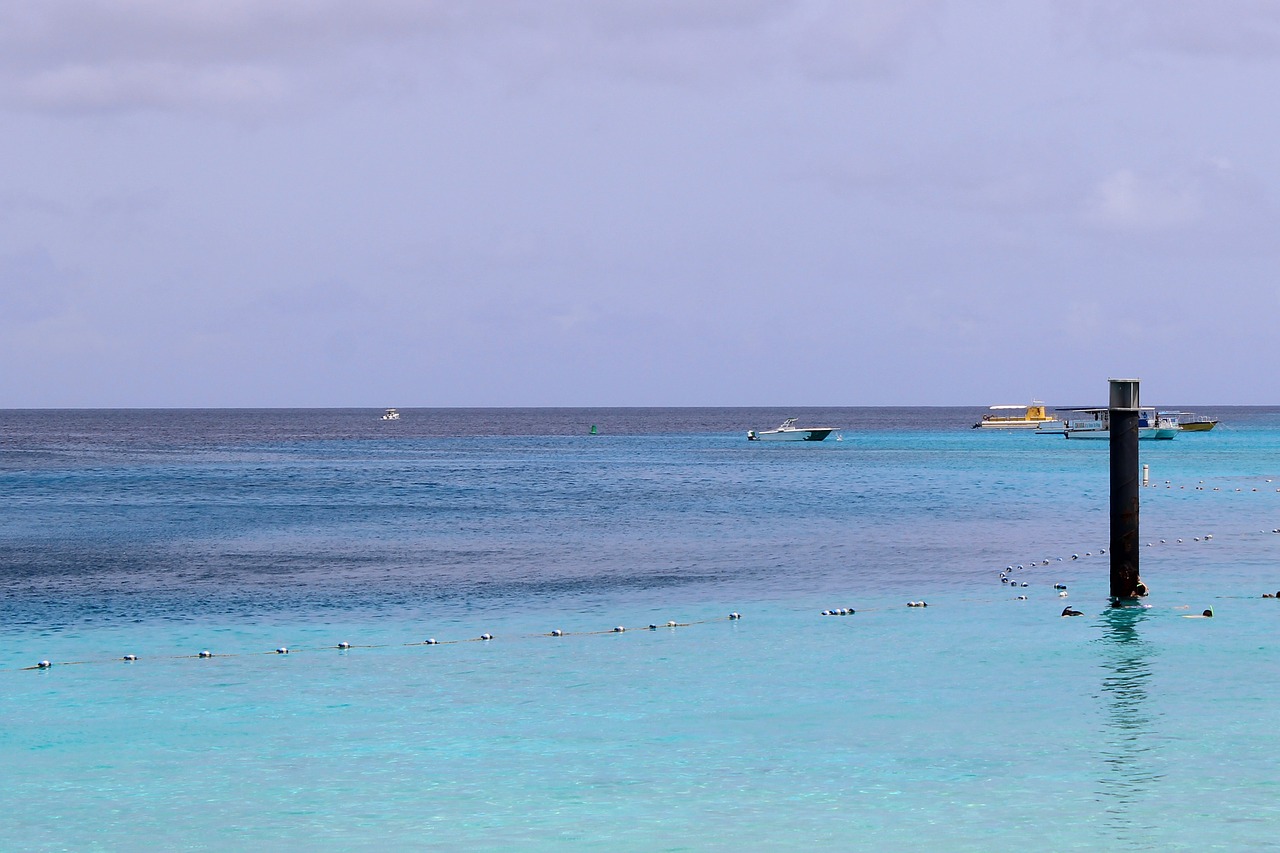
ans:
(985, 721)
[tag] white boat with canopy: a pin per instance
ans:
(788, 431)
(1191, 422)
(1096, 424)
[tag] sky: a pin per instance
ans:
(637, 203)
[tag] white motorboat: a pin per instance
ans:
(391, 415)
(788, 431)
(1191, 422)
(1166, 423)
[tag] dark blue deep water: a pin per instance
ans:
(121, 515)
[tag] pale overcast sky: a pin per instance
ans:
(617, 202)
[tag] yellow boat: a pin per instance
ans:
(1031, 417)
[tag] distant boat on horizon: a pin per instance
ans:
(1191, 422)
(1032, 417)
(788, 431)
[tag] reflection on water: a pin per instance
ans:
(1129, 751)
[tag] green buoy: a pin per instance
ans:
(594, 431)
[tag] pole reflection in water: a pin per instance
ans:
(1130, 756)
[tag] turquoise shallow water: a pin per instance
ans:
(981, 722)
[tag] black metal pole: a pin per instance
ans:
(1123, 424)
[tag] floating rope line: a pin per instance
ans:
(1018, 584)
(345, 646)
(1007, 572)
(1267, 486)
(1005, 578)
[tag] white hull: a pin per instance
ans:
(1012, 424)
(1144, 434)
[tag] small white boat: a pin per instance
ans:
(788, 431)
(1191, 422)
(1166, 423)
(1028, 417)
(391, 415)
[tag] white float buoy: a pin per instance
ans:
(671, 623)
(44, 664)
(344, 645)
(735, 615)
(431, 641)
(619, 629)
(557, 633)
(486, 636)
(283, 650)
(206, 654)
(129, 657)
